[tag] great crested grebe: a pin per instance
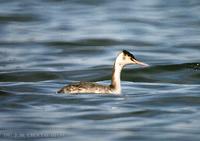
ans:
(122, 59)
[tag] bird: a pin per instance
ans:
(124, 58)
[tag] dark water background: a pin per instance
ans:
(45, 44)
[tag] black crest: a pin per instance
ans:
(128, 54)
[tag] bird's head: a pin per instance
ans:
(126, 57)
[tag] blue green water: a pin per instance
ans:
(46, 44)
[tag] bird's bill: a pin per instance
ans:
(140, 63)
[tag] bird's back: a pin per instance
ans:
(85, 87)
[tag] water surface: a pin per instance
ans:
(47, 44)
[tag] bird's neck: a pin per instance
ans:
(116, 73)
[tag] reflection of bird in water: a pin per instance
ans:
(122, 59)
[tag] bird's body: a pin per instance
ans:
(86, 87)
(122, 59)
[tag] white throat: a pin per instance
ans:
(116, 76)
